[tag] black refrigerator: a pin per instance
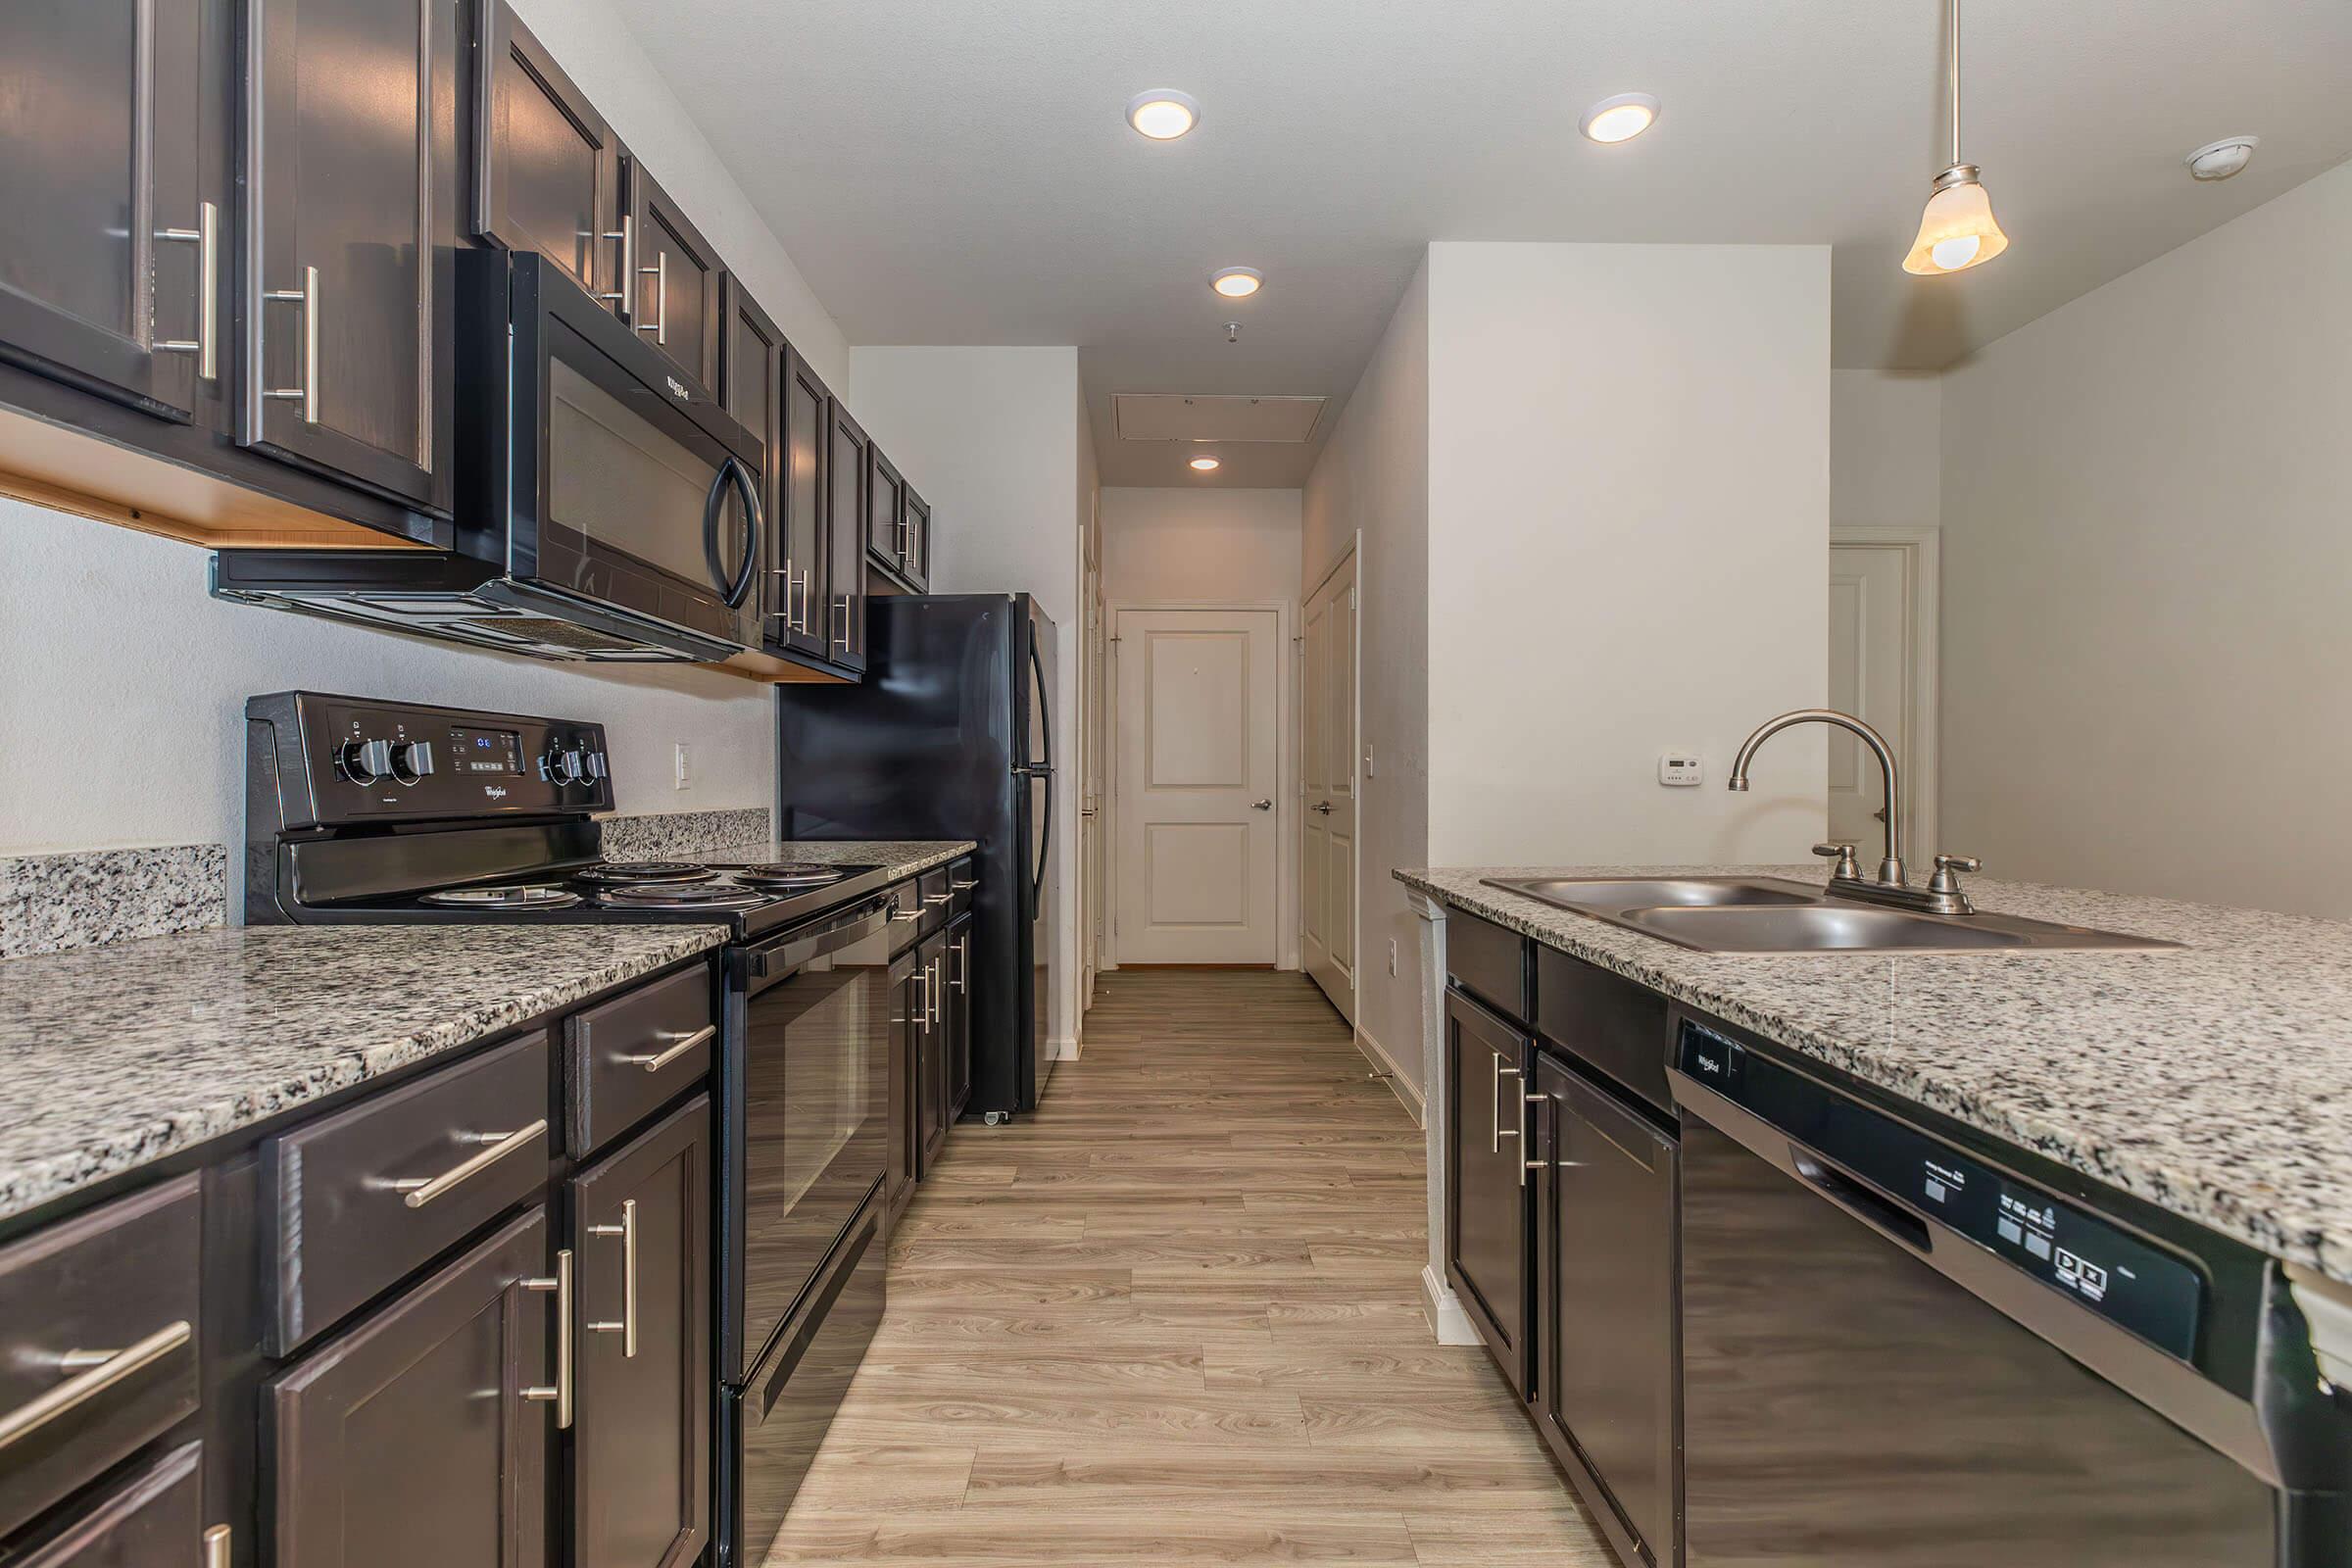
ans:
(949, 736)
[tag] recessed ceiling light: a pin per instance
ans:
(1619, 119)
(1205, 465)
(1162, 112)
(1237, 282)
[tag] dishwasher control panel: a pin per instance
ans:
(2096, 1261)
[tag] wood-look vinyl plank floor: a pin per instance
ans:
(1175, 1319)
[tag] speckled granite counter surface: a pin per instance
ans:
(113, 1056)
(2214, 1081)
(905, 857)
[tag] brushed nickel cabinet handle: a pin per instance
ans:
(206, 237)
(306, 297)
(841, 639)
(215, 1547)
(628, 263)
(561, 1393)
(899, 916)
(100, 1370)
(417, 1191)
(1526, 1164)
(936, 898)
(964, 964)
(937, 993)
(962, 887)
(807, 598)
(663, 1058)
(627, 1229)
(660, 274)
(1497, 1130)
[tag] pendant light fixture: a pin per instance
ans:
(1957, 230)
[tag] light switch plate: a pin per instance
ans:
(685, 766)
(1681, 769)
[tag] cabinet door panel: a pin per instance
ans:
(154, 1519)
(549, 177)
(960, 1017)
(845, 533)
(817, 626)
(675, 302)
(102, 212)
(352, 150)
(408, 1440)
(906, 1013)
(885, 530)
(931, 1056)
(1487, 1199)
(640, 1430)
(915, 530)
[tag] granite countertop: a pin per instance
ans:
(113, 1056)
(2214, 1081)
(905, 857)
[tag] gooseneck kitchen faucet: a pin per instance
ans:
(1942, 893)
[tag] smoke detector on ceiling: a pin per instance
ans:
(2219, 160)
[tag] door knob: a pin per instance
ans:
(1324, 806)
(1257, 806)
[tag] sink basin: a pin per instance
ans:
(1766, 914)
(1821, 927)
(1588, 894)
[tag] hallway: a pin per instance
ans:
(1175, 1318)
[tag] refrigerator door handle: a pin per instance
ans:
(1043, 768)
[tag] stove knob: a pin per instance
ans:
(565, 767)
(596, 765)
(412, 760)
(364, 762)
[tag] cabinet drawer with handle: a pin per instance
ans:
(362, 1197)
(935, 896)
(154, 1518)
(98, 1320)
(628, 1058)
(963, 877)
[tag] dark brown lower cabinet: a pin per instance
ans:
(154, 1519)
(641, 1413)
(931, 1114)
(419, 1436)
(1487, 1194)
(907, 1012)
(959, 1011)
(1606, 1352)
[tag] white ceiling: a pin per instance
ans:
(958, 171)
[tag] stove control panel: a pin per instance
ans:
(328, 761)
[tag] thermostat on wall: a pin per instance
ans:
(1679, 770)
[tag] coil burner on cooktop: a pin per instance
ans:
(526, 896)
(629, 871)
(711, 895)
(781, 874)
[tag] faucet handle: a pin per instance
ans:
(1844, 854)
(1945, 865)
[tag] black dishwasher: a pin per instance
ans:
(1899, 1355)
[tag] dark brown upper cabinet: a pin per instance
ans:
(914, 528)
(674, 301)
(641, 1437)
(845, 533)
(751, 375)
(350, 240)
(417, 1437)
(885, 524)
(112, 239)
(547, 172)
(822, 622)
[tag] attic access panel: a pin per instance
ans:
(1198, 417)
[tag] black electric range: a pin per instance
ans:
(359, 810)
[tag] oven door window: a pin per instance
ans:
(817, 1088)
(643, 508)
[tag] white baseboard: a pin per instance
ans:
(1066, 1048)
(1446, 1319)
(1407, 1087)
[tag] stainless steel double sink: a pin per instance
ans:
(1766, 914)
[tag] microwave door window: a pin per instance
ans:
(624, 487)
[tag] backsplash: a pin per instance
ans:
(664, 835)
(82, 898)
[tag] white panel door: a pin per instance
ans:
(1327, 857)
(1872, 626)
(1198, 770)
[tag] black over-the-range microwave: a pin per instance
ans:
(607, 508)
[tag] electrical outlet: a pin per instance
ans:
(1392, 955)
(685, 766)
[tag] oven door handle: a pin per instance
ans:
(780, 960)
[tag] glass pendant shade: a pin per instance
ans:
(1957, 230)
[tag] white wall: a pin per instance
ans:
(122, 694)
(1201, 542)
(2146, 555)
(993, 437)
(1629, 476)
(1886, 449)
(112, 656)
(1373, 476)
